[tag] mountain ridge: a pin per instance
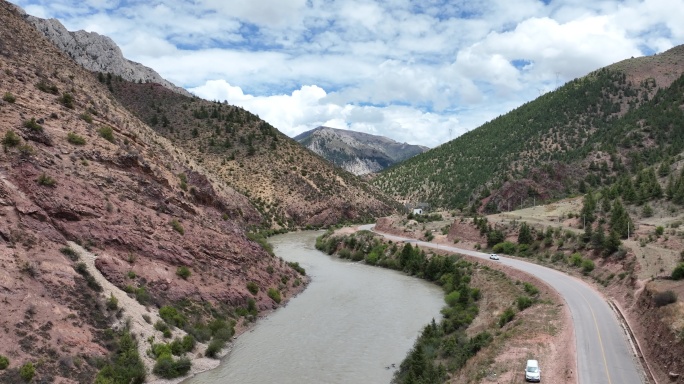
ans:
(358, 152)
(97, 53)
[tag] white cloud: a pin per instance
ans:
(307, 108)
(414, 71)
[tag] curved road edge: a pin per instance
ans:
(604, 354)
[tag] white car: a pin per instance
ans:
(532, 371)
(494, 256)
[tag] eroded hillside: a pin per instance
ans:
(288, 184)
(77, 166)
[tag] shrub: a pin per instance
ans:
(125, 366)
(87, 117)
(183, 272)
(33, 125)
(557, 256)
(176, 225)
(4, 362)
(82, 269)
(8, 97)
(429, 236)
(46, 180)
(168, 368)
(252, 287)
(274, 294)
(295, 265)
(147, 318)
(11, 139)
(142, 296)
(506, 317)
(664, 298)
(214, 348)
(575, 260)
(161, 349)
(106, 133)
(495, 237)
(112, 302)
(172, 317)
(181, 346)
(452, 298)
(530, 289)
(47, 87)
(27, 371)
(28, 268)
(26, 151)
(505, 247)
(523, 302)
(659, 230)
(678, 272)
(75, 139)
(70, 253)
(67, 100)
(587, 266)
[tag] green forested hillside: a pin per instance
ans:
(589, 132)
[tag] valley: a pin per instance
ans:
(148, 235)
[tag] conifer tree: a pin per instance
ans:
(525, 234)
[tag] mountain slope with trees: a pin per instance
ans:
(587, 133)
(290, 186)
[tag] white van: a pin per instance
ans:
(532, 371)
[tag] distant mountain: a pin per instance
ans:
(357, 152)
(589, 133)
(97, 53)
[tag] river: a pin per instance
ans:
(351, 324)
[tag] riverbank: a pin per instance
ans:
(543, 332)
(140, 320)
(350, 325)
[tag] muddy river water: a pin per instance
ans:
(350, 325)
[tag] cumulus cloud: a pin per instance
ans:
(308, 107)
(421, 72)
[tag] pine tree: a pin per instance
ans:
(612, 244)
(524, 235)
(620, 221)
(588, 208)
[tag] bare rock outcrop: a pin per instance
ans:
(97, 53)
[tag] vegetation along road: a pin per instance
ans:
(604, 355)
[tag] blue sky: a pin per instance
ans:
(421, 72)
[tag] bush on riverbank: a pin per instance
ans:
(125, 365)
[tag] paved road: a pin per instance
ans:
(604, 355)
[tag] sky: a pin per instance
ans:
(421, 72)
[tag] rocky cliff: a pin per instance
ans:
(357, 152)
(97, 53)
